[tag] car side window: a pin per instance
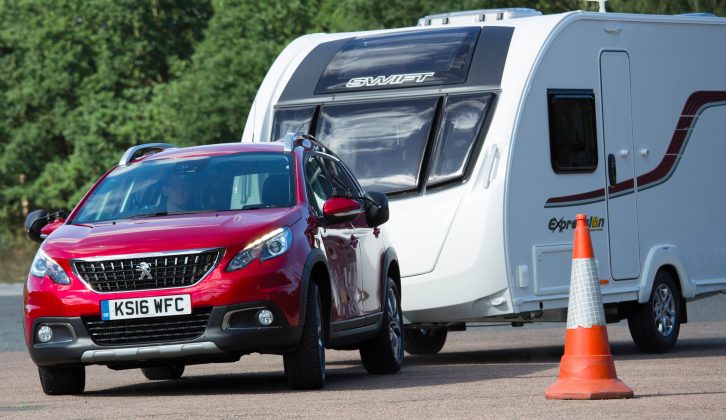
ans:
(344, 184)
(319, 187)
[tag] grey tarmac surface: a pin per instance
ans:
(489, 372)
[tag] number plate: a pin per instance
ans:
(146, 307)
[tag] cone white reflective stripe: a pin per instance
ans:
(585, 308)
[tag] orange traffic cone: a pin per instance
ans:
(587, 370)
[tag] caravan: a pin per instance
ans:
(490, 130)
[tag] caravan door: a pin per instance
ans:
(621, 189)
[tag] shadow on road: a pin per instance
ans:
(340, 376)
(685, 348)
(442, 369)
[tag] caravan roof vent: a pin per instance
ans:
(476, 16)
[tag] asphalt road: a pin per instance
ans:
(485, 372)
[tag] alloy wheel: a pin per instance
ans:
(394, 327)
(664, 310)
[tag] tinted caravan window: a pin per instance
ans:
(573, 139)
(382, 143)
(405, 59)
(292, 120)
(463, 119)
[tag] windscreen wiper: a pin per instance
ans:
(256, 207)
(158, 214)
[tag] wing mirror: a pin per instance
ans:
(39, 223)
(340, 209)
(376, 207)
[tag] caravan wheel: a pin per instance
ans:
(655, 325)
(424, 340)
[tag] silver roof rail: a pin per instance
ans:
(477, 16)
(305, 140)
(147, 149)
(291, 138)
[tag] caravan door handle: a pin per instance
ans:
(353, 241)
(612, 170)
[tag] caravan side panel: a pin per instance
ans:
(676, 149)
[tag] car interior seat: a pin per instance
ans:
(276, 190)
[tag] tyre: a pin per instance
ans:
(62, 380)
(305, 367)
(158, 373)
(424, 340)
(384, 354)
(655, 325)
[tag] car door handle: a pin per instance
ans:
(353, 241)
(376, 231)
(612, 170)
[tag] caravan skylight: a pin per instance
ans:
(404, 59)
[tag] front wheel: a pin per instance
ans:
(305, 367)
(384, 354)
(424, 340)
(655, 325)
(62, 380)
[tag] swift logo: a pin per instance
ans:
(594, 223)
(393, 79)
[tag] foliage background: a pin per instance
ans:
(80, 81)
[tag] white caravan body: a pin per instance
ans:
(618, 116)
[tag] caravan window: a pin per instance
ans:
(292, 120)
(573, 139)
(383, 143)
(463, 118)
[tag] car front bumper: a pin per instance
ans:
(231, 332)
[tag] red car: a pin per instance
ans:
(182, 256)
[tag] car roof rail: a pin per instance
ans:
(305, 140)
(143, 150)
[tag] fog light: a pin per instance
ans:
(45, 334)
(265, 317)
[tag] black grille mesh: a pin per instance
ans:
(124, 274)
(148, 330)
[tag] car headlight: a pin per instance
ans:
(44, 265)
(268, 246)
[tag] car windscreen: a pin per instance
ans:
(190, 185)
(383, 143)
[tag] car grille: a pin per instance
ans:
(148, 330)
(164, 271)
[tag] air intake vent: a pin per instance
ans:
(146, 271)
(148, 330)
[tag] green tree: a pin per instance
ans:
(78, 78)
(209, 104)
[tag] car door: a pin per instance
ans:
(337, 242)
(366, 240)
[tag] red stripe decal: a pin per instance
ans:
(621, 186)
(676, 144)
(693, 106)
(684, 122)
